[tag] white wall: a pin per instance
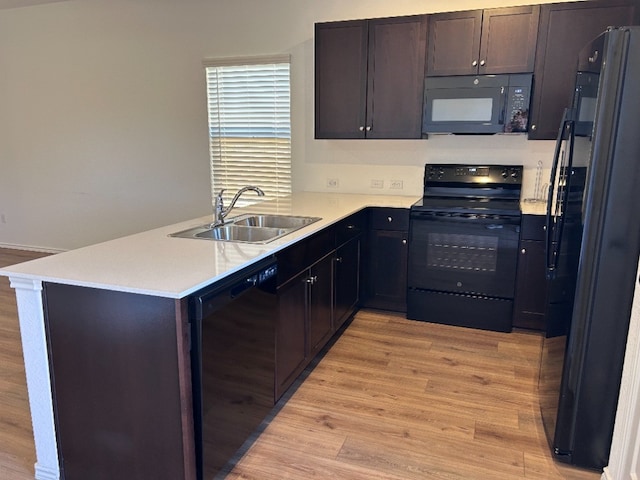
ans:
(103, 117)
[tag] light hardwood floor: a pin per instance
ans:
(392, 399)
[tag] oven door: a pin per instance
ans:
(463, 253)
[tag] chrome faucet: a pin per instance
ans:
(222, 212)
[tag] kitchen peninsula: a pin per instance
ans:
(134, 291)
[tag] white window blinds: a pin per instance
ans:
(249, 125)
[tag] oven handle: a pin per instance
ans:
(492, 223)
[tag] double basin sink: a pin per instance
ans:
(249, 228)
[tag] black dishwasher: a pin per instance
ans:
(232, 361)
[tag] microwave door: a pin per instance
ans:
(464, 110)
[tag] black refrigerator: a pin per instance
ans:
(593, 244)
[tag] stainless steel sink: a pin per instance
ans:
(237, 233)
(249, 228)
(275, 221)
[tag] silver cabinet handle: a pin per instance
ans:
(312, 280)
(338, 259)
(368, 129)
(533, 127)
(523, 251)
(474, 63)
(361, 129)
(482, 63)
(389, 219)
(404, 241)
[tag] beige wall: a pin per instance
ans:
(103, 117)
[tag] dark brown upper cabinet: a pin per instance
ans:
(565, 28)
(497, 40)
(369, 78)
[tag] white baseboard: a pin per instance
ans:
(46, 473)
(31, 248)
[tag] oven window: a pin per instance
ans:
(462, 109)
(475, 253)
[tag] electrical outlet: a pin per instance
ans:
(377, 183)
(332, 183)
(395, 185)
(3, 219)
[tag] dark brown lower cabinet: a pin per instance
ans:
(121, 384)
(319, 285)
(314, 303)
(531, 283)
(386, 278)
(291, 332)
(347, 281)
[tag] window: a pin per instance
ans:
(249, 125)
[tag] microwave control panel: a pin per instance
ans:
(517, 109)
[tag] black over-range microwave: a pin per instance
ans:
(477, 104)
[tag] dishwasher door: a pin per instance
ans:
(233, 362)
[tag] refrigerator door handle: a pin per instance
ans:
(549, 227)
(566, 189)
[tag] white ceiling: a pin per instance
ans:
(4, 4)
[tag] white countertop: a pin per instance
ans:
(533, 207)
(153, 263)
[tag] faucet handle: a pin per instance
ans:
(219, 205)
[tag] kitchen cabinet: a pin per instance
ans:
(347, 281)
(369, 77)
(347, 265)
(319, 284)
(531, 283)
(386, 276)
(121, 384)
(565, 28)
(479, 42)
(318, 290)
(304, 304)
(291, 332)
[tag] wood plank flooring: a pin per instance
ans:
(397, 399)
(392, 399)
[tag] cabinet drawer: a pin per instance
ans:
(532, 227)
(389, 218)
(350, 227)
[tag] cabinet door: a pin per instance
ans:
(396, 77)
(499, 40)
(340, 79)
(290, 332)
(531, 292)
(387, 270)
(508, 42)
(347, 281)
(454, 43)
(320, 283)
(564, 29)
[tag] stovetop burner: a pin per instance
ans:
(483, 190)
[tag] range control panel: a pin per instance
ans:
(472, 174)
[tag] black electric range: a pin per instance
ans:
(463, 246)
